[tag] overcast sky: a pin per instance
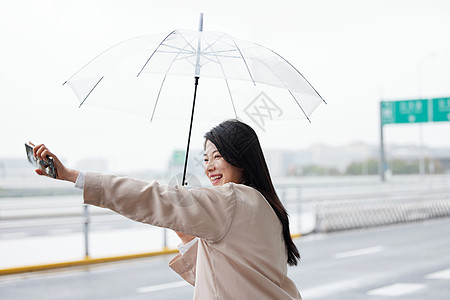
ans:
(354, 52)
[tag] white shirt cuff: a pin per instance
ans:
(183, 248)
(79, 183)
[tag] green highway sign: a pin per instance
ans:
(405, 111)
(441, 109)
(415, 111)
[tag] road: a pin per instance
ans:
(405, 261)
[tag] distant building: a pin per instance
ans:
(16, 167)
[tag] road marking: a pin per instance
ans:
(161, 287)
(444, 274)
(330, 289)
(396, 289)
(358, 252)
(13, 235)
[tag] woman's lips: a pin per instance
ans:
(215, 178)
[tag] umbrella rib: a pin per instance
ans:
(91, 91)
(245, 62)
(185, 56)
(220, 51)
(226, 81)
(162, 83)
(157, 98)
(171, 52)
(190, 58)
(295, 70)
(177, 48)
(181, 51)
(296, 101)
(209, 59)
(299, 106)
(231, 98)
(98, 56)
(154, 52)
(213, 54)
(227, 56)
(210, 45)
(188, 43)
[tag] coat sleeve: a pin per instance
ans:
(186, 265)
(203, 212)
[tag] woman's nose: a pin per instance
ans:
(209, 166)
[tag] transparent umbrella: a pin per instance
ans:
(146, 75)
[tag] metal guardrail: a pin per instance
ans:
(354, 214)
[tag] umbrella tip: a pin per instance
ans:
(200, 23)
(64, 82)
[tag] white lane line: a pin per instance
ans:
(161, 287)
(444, 274)
(363, 251)
(397, 289)
(329, 289)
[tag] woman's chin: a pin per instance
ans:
(218, 182)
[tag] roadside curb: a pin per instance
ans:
(91, 261)
(83, 262)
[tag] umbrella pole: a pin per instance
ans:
(183, 182)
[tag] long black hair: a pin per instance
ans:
(238, 144)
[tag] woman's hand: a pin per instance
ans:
(62, 172)
(185, 238)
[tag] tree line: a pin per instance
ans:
(371, 167)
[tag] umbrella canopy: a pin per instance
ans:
(196, 54)
(145, 74)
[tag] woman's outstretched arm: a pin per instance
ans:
(204, 213)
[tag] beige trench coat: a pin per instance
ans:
(240, 253)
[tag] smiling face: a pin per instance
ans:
(218, 170)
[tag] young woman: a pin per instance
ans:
(236, 235)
